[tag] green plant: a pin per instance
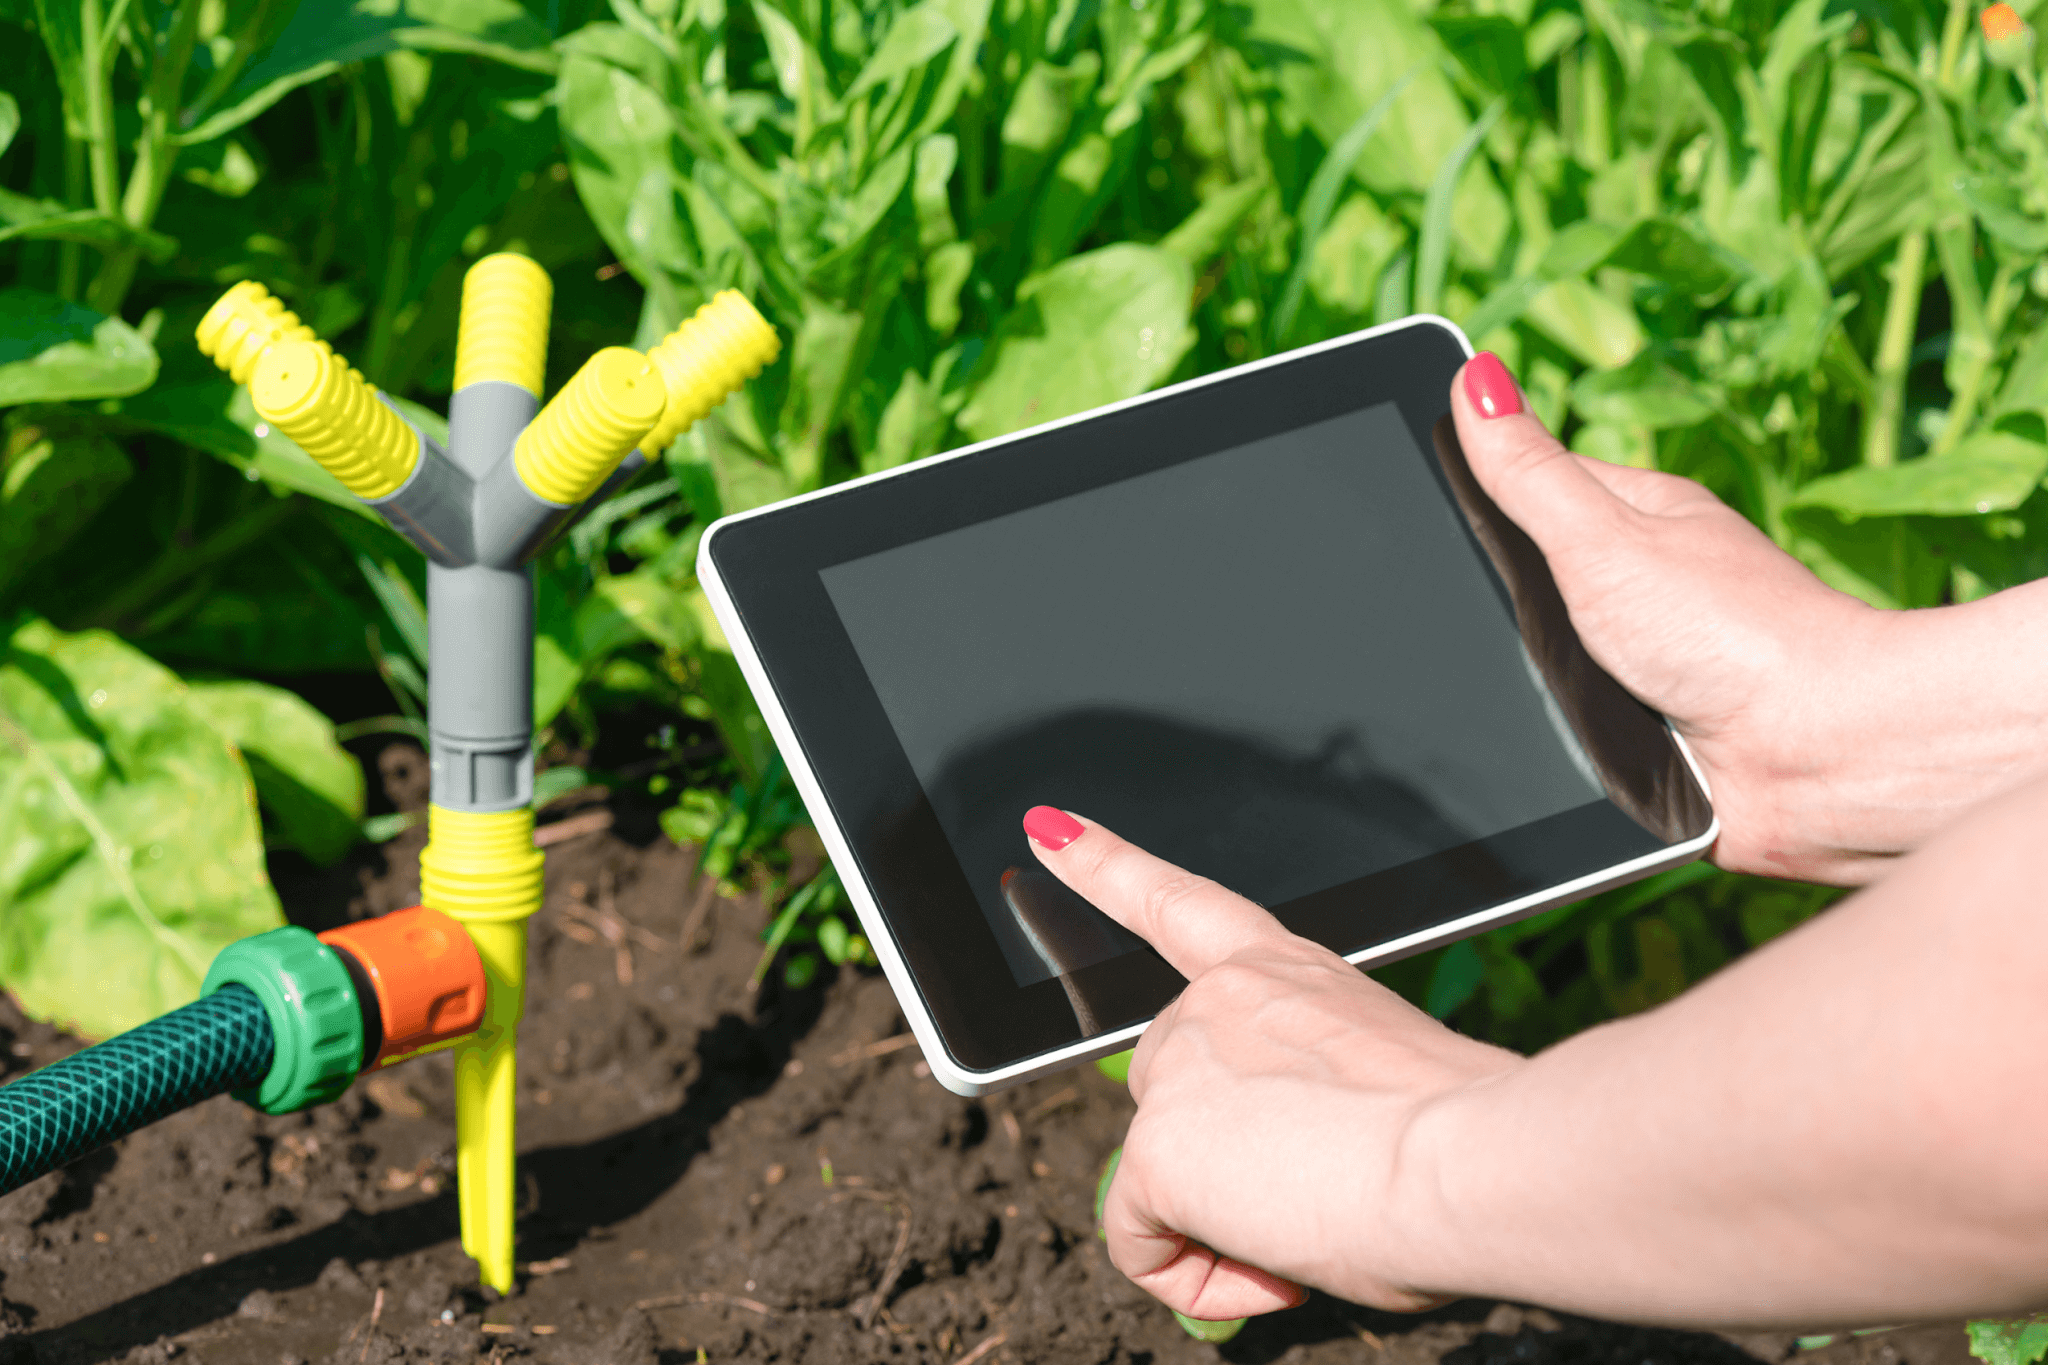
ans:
(149, 525)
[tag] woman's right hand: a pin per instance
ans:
(1803, 705)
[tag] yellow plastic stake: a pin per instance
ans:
(482, 868)
(503, 334)
(704, 360)
(593, 423)
(308, 393)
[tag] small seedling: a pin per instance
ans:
(1200, 1329)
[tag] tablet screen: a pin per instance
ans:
(1280, 665)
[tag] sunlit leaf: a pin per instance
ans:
(51, 349)
(134, 852)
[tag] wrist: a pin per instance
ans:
(1890, 724)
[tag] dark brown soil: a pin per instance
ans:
(709, 1174)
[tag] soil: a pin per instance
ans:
(709, 1173)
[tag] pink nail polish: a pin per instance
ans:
(1051, 828)
(1490, 387)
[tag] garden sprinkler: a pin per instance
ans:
(287, 1019)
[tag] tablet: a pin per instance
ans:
(1264, 624)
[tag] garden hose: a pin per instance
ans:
(285, 1020)
(52, 1117)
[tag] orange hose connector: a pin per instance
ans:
(427, 974)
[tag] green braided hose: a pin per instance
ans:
(56, 1115)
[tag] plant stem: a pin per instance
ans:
(176, 565)
(69, 259)
(1962, 410)
(103, 160)
(405, 217)
(156, 155)
(224, 75)
(1895, 353)
(1952, 31)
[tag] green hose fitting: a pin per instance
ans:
(314, 1015)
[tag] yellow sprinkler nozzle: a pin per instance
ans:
(503, 332)
(244, 323)
(722, 346)
(591, 425)
(481, 868)
(312, 396)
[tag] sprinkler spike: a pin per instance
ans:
(725, 344)
(503, 332)
(597, 418)
(481, 867)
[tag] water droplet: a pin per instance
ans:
(99, 698)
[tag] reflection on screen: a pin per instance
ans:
(1281, 666)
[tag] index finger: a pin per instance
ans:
(1193, 922)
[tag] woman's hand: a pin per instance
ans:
(1274, 1097)
(1834, 736)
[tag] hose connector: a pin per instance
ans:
(305, 391)
(503, 332)
(423, 976)
(725, 344)
(244, 323)
(598, 417)
(315, 1015)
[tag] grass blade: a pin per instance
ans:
(1433, 254)
(1320, 201)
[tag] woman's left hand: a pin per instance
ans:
(1275, 1097)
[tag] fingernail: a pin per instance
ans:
(1051, 828)
(1490, 387)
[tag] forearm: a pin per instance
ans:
(1843, 1128)
(1890, 732)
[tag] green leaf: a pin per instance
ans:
(1487, 45)
(629, 607)
(1456, 979)
(1102, 326)
(1885, 561)
(1202, 236)
(1433, 253)
(617, 132)
(2021, 1342)
(1320, 199)
(1643, 393)
(322, 36)
(311, 786)
(45, 220)
(919, 34)
(1587, 323)
(1990, 472)
(133, 850)
(1668, 251)
(56, 477)
(1215, 1332)
(10, 119)
(551, 784)
(53, 350)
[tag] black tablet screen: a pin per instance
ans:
(1281, 665)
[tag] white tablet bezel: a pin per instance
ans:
(963, 1081)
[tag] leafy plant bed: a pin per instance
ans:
(766, 1176)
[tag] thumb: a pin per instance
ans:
(1542, 487)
